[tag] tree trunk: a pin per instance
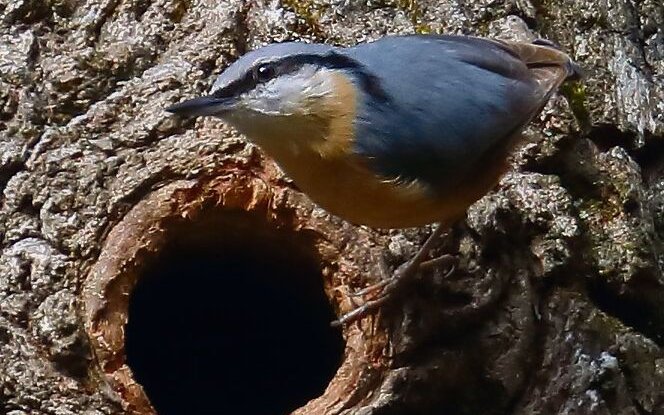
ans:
(122, 227)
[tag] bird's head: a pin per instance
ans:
(286, 89)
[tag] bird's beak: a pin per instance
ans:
(201, 106)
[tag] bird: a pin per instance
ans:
(404, 131)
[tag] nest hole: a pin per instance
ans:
(231, 317)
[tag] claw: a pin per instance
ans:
(385, 279)
(360, 312)
(371, 288)
(389, 286)
(441, 260)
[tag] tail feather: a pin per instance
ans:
(543, 53)
(549, 66)
(574, 71)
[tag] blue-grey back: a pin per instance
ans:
(449, 101)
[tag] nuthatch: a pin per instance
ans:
(400, 132)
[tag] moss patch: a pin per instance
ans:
(575, 93)
(308, 13)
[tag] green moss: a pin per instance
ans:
(575, 92)
(309, 13)
(414, 12)
(423, 29)
(482, 27)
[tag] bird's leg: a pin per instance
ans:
(388, 286)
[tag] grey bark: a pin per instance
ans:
(561, 267)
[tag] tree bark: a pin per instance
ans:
(556, 305)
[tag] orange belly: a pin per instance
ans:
(345, 188)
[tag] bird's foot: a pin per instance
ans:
(391, 285)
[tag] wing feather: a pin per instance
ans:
(450, 101)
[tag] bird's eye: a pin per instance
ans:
(264, 72)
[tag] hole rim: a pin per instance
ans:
(140, 235)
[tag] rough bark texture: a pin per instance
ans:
(556, 307)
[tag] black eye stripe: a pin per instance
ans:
(290, 64)
(235, 88)
(249, 81)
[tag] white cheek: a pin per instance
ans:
(293, 94)
(265, 102)
(320, 85)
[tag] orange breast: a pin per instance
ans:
(345, 188)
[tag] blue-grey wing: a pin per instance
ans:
(444, 102)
